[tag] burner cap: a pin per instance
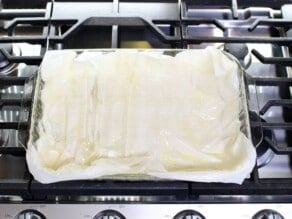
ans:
(8, 48)
(240, 51)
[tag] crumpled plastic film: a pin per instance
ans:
(139, 113)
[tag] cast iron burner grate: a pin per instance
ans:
(168, 25)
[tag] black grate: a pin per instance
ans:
(163, 24)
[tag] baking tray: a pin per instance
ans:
(36, 84)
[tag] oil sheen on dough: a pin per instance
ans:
(127, 112)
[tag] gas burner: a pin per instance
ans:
(264, 153)
(240, 51)
(7, 67)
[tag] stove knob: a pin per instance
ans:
(189, 214)
(109, 214)
(30, 214)
(268, 214)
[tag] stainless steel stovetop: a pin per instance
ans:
(257, 34)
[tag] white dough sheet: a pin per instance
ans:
(138, 113)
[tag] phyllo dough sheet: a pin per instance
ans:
(129, 113)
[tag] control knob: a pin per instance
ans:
(190, 214)
(268, 214)
(30, 214)
(109, 214)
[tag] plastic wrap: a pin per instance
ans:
(172, 114)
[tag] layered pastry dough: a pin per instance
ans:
(139, 113)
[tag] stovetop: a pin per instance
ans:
(257, 32)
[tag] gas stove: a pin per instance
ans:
(256, 32)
